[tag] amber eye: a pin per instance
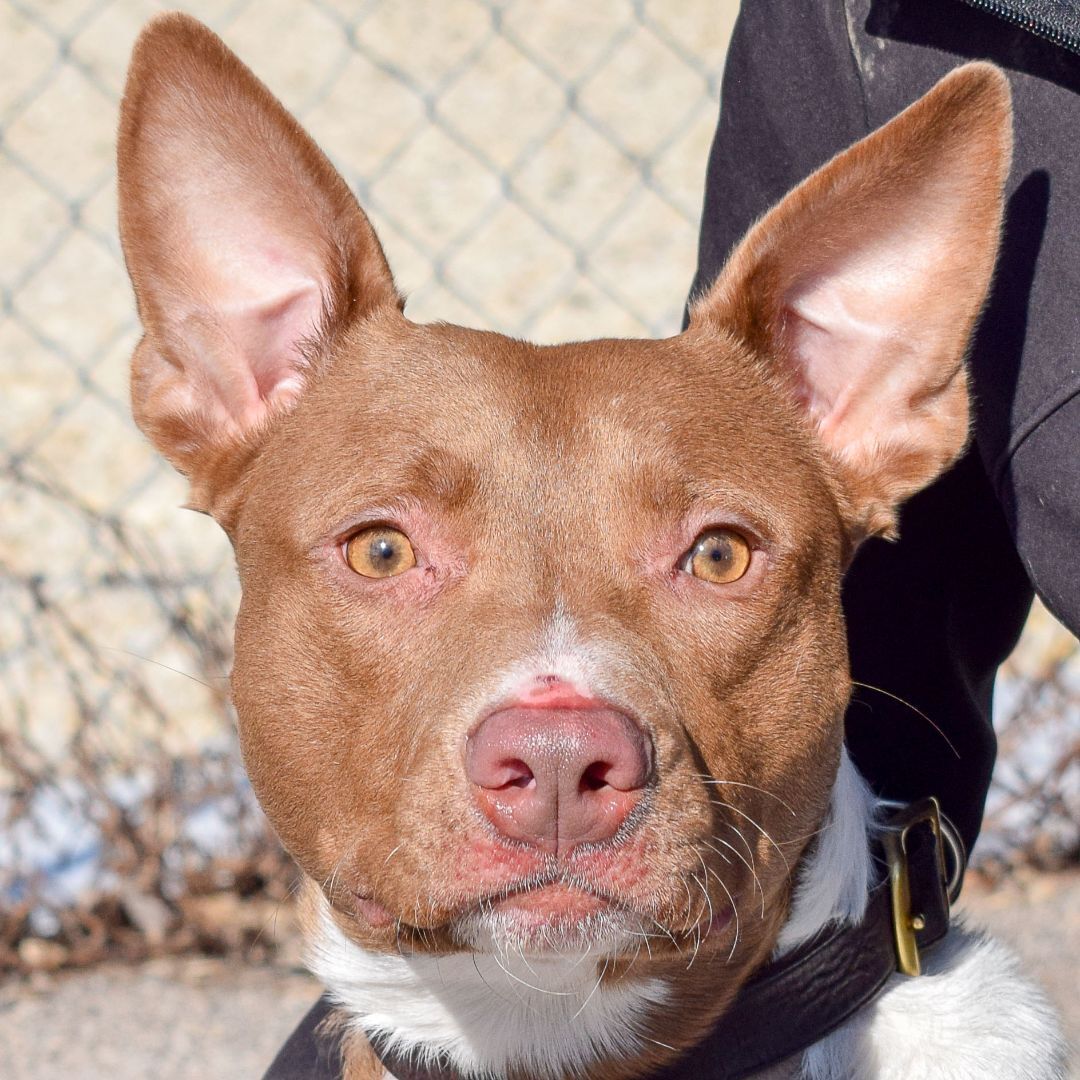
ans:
(719, 555)
(379, 552)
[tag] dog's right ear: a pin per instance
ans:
(247, 250)
(861, 287)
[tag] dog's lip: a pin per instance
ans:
(370, 910)
(560, 899)
(556, 898)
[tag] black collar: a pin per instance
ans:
(785, 1006)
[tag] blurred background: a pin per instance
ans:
(531, 168)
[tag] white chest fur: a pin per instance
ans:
(483, 1012)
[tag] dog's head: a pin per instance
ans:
(543, 646)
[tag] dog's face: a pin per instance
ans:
(585, 535)
(543, 646)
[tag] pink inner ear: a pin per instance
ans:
(833, 350)
(269, 333)
(242, 242)
(253, 305)
(856, 333)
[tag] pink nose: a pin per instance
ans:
(556, 778)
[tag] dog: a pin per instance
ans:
(540, 664)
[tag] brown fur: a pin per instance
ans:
(528, 477)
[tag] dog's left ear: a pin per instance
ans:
(247, 251)
(865, 282)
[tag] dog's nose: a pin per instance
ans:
(556, 778)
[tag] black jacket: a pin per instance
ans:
(931, 617)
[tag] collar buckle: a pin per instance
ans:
(915, 853)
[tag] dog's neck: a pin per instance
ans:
(556, 1017)
(837, 874)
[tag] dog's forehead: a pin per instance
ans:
(441, 412)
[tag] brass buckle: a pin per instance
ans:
(894, 839)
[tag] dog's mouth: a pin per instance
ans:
(544, 909)
(562, 916)
(557, 914)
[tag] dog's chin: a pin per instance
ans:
(554, 919)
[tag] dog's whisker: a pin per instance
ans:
(734, 911)
(913, 708)
(698, 936)
(330, 882)
(165, 667)
(509, 977)
(720, 853)
(523, 982)
(759, 828)
(757, 880)
(705, 889)
(689, 898)
(525, 960)
(599, 980)
(271, 919)
(752, 787)
(745, 843)
(480, 976)
(657, 1042)
(583, 957)
(665, 931)
(644, 938)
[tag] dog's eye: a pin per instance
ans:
(379, 552)
(719, 555)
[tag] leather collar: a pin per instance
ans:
(788, 1004)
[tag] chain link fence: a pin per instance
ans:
(535, 169)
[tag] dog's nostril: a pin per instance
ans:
(519, 775)
(503, 773)
(595, 776)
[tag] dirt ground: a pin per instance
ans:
(204, 1019)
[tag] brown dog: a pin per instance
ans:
(540, 665)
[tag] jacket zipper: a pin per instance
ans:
(1037, 27)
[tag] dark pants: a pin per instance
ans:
(931, 617)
